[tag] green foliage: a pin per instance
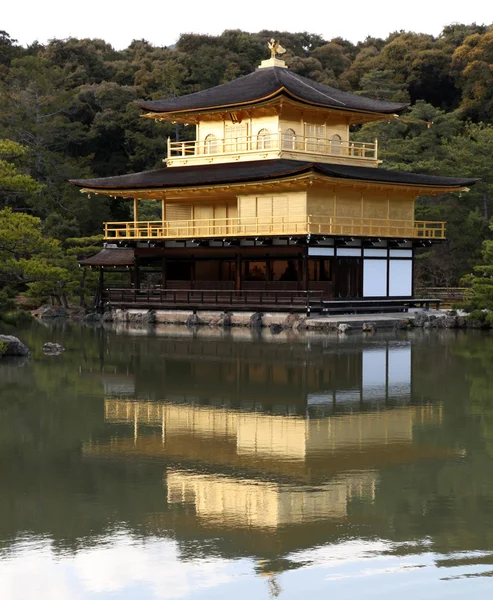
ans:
(3, 348)
(17, 318)
(68, 111)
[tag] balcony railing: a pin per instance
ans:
(273, 141)
(274, 226)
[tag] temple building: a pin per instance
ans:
(271, 206)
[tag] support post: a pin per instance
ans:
(238, 272)
(163, 272)
(304, 269)
(99, 307)
(136, 212)
(137, 274)
(163, 215)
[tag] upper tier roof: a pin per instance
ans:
(262, 170)
(266, 83)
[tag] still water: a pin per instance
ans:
(177, 464)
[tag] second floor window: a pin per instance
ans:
(235, 137)
(263, 139)
(335, 144)
(210, 144)
(315, 137)
(288, 139)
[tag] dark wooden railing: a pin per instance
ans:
(258, 300)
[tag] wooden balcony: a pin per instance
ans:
(276, 145)
(286, 226)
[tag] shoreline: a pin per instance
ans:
(276, 321)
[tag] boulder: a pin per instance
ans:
(369, 327)
(343, 328)
(421, 318)
(52, 349)
(12, 346)
(450, 322)
(461, 322)
(275, 328)
(225, 319)
(291, 320)
(256, 320)
(300, 325)
(193, 320)
(403, 324)
(54, 312)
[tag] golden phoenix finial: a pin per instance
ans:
(275, 48)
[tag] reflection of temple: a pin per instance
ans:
(249, 503)
(246, 374)
(250, 442)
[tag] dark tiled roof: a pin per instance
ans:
(172, 177)
(110, 257)
(267, 83)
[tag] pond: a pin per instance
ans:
(176, 463)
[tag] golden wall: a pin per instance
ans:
(346, 202)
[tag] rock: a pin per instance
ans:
(291, 320)
(107, 316)
(450, 322)
(427, 325)
(343, 328)
(13, 346)
(402, 325)
(54, 312)
(52, 349)
(461, 322)
(300, 325)
(256, 320)
(225, 319)
(148, 316)
(276, 328)
(369, 327)
(421, 318)
(193, 320)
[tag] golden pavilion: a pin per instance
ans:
(271, 207)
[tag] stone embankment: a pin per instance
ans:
(276, 322)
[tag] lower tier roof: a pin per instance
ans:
(262, 170)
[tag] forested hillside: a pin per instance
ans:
(68, 106)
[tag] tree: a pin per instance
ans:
(14, 184)
(29, 259)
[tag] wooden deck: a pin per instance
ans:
(309, 302)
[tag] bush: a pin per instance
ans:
(3, 348)
(18, 318)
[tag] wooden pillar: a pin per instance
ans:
(136, 211)
(304, 269)
(238, 272)
(163, 215)
(137, 274)
(192, 273)
(163, 272)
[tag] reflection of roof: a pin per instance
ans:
(268, 83)
(252, 503)
(259, 170)
(110, 257)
